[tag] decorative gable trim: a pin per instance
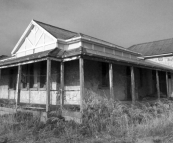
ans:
(26, 33)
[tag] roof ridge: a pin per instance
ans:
(54, 26)
(150, 42)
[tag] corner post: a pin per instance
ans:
(167, 84)
(48, 85)
(62, 85)
(111, 81)
(81, 69)
(18, 85)
(132, 84)
(157, 84)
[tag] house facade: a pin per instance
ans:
(160, 52)
(52, 67)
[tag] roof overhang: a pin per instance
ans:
(59, 54)
(54, 54)
(156, 56)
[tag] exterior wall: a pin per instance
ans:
(33, 97)
(8, 83)
(92, 79)
(163, 60)
(120, 82)
(33, 94)
(145, 86)
(38, 95)
(168, 61)
(55, 83)
(4, 83)
(93, 76)
(71, 83)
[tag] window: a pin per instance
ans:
(24, 76)
(141, 78)
(128, 72)
(13, 78)
(154, 75)
(169, 75)
(105, 74)
(34, 75)
(31, 75)
(43, 67)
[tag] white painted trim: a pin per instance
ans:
(110, 46)
(155, 56)
(70, 59)
(141, 58)
(34, 23)
(29, 42)
(55, 59)
(39, 38)
(37, 47)
(28, 29)
(22, 38)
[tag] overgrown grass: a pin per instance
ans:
(103, 121)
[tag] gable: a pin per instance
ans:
(35, 39)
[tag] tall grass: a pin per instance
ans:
(103, 121)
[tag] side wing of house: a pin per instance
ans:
(35, 39)
(165, 60)
(168, 61)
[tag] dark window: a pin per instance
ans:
(24, 77)
(31, 75)
(105, 74)
(169, 75)
(43, 67)
(141, 78)
(128, 72)
(34, 75)
(154, 75)
(13, 79)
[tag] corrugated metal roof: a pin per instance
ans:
(64, 34)
(154, 48)
(57, 32)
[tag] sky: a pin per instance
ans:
(122, 22)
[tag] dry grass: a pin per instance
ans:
(103, 121)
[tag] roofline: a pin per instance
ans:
(112, 46)
(155, 56)
(149, 42)
(81, 37)
(54, 26)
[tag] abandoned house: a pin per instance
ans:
(51, 67)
